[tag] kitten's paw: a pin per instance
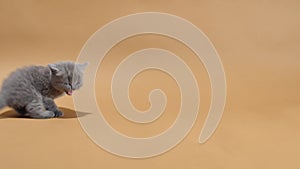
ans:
(42, 115)
(58, 113)
(48, 114)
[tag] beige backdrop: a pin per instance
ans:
(258, 42)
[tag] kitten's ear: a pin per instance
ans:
(82, 66)
(55, 70)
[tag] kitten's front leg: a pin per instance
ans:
(51, 106)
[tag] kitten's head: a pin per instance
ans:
(67, 76)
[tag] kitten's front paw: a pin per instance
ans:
(58, 113)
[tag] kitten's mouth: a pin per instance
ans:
(69, 92)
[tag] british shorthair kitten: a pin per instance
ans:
(31, 90)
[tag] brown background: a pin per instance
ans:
(258, 42)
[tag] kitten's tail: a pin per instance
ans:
(2, 101)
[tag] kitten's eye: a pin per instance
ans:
(78, 84)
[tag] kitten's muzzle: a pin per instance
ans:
(69, 91)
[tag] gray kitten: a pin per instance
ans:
(31, 90)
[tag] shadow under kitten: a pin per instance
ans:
(68, 114)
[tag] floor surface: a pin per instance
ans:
(258, 42)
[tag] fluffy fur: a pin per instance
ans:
(31, 90)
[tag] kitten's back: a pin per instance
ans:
(22, 84)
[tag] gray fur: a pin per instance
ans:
(31, 90)
(2, 102)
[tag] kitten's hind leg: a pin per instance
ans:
(50, 105)
(36, 109)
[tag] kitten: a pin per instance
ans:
(31, 90)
